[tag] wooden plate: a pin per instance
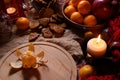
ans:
(60, 65)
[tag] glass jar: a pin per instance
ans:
(5, 28)
(13, 8)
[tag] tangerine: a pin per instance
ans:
(76, 17)
(70, 2)
(28, 61)
(90, 20)
(75, 2)
(69, 10)
(86, 71)
(84, 7)
(22, 23)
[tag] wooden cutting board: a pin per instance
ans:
(60, 65)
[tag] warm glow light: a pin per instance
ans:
(11, 10)
(96, 47)
(98, 39)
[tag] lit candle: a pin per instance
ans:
(96, 47)
(11, 10)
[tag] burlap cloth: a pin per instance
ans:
(66, 41)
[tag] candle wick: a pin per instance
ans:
(97, 43)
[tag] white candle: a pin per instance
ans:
(11, 10)
(96, 47)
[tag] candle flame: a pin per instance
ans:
(98, 39)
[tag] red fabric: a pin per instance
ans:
(114, 33)
(115, 36)
(116, 53)
(105, 77)
(114, 30)
(114, 25)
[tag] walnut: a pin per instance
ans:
(47, 33)
(34, 24)
(44, 21)
(33, 36)
(57, 29)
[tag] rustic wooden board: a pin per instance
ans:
(60, 65)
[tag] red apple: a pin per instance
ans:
(102, 9)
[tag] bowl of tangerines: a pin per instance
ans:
(82, 14)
